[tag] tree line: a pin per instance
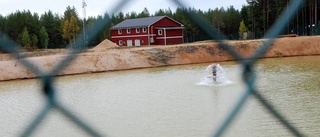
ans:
(52, 30)
(260, 15)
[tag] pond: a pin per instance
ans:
(171, 101)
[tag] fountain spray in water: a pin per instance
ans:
(215, 75)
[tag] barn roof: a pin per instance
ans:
(139, 22)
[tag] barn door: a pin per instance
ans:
(129, 43)
(137, 42)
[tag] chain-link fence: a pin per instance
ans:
(47, 79)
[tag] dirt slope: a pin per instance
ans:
(107, 56)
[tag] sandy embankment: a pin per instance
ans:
(107, 57)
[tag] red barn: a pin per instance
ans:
(159, 30)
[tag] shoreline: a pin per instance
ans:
(108, 58)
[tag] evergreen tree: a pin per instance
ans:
(44, 39)
(53, 26)
(14, 25)
(33, 24)
(217, 18)
(145, 13)
(25, 38)
(231, 20)
(34, 40)
(133, 15)
(2, 23)
(159, 13)
(70, 12)
(168, 12)
(244, 14)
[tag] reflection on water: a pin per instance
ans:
(169, 101)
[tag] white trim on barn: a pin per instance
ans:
(169, 28)
(132, 36)
(169, 37)
(120, 42)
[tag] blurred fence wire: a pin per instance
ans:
(47, 79)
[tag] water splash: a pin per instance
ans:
(210, 80)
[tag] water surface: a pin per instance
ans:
(170, 102)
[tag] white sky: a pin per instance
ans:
(98, 7)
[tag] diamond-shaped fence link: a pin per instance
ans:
(248, 74)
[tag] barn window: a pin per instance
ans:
(160, 32)
(144, 29)
(119, 31)
(128, 31)
(120, 42)
(137, 30)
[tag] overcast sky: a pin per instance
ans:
(98, 7)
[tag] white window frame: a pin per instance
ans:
(160, 32)
(144, 30)
(119, 31)
(128, 31)
(120, 42)
(137, 30)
